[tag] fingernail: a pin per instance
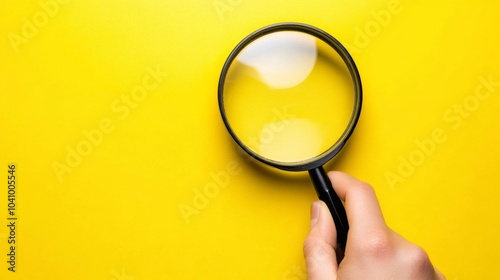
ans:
(315, 208)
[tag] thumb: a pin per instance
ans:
(319, 252)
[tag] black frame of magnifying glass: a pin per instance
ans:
(324, 157)
(314, 166)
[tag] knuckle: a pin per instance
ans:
(364, 187)
(378, 245)
(418, 259)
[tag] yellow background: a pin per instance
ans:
(117, 214)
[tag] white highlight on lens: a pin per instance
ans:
(282, 60)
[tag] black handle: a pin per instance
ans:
(326, 193)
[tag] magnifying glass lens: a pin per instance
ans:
(288, 97)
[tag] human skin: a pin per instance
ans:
(373, 250)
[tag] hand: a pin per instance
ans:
(373, 250)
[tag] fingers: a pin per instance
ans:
(416, 260)
(319, 245)
(362, 208)
(373, 250)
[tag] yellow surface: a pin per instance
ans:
(125, 171)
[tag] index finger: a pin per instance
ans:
(362, 207)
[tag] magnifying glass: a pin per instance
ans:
(290, 96)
